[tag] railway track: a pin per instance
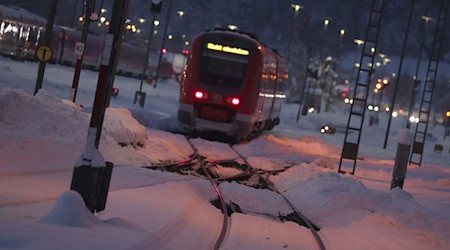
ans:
(201, 166)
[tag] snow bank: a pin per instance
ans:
(47, 115)
(70, 211)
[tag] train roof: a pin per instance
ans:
(20, 15)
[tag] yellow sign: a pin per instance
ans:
(228, 49)
(44, 53)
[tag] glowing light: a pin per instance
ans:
(385, 81)
(370, 107)
(387, 109)
(169, 37)
(235, 101)
(394, 114)
(376, 109)
(180, 13)
(102, 19)
(228, 49)
(378, 86)
(156, 22)
(232, 27)
(296, 7)
(81, 19)
(412, 118)
(358, 42)
(342, 32)
(326, 22)
(311, 110)
(141, 20)
(281, 96)
(164, 51)
(107, 23)
(186, 43)
(199, 95)
(447, 113)
(103, 10)
(346, 100)
(372, 50)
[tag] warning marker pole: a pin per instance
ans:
(47, 39)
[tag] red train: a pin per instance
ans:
(233, 84)
(21, 32)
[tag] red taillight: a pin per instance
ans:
(235, 101)
(199, 95)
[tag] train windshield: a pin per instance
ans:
(223, 66)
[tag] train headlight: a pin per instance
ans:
(235, 101)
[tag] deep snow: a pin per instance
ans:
(41, 137)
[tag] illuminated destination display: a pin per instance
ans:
(228, 49)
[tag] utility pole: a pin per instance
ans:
(162, 45)
(80, 48)
(302, 94)
(391, 108)
(156, 8)
(416, 75)
(47, 40)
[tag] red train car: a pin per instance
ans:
(232, 83)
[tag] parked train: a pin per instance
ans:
(233, 84)
(21, 32)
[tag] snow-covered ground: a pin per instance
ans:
(42, 135)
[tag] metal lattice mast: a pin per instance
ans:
(361, 90)
(428, 88)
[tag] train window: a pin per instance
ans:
(223, 69)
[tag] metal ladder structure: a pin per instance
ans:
(362, 85)
(428, 89)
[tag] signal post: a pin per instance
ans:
(92, 175)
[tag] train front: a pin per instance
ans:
(219, 86)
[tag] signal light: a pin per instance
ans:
(185, 52)
(164, 51)
(115, 92)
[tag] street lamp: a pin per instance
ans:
(447, 117)
(180, 13)
(232, 27)
(296, 8)
(326, 22)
